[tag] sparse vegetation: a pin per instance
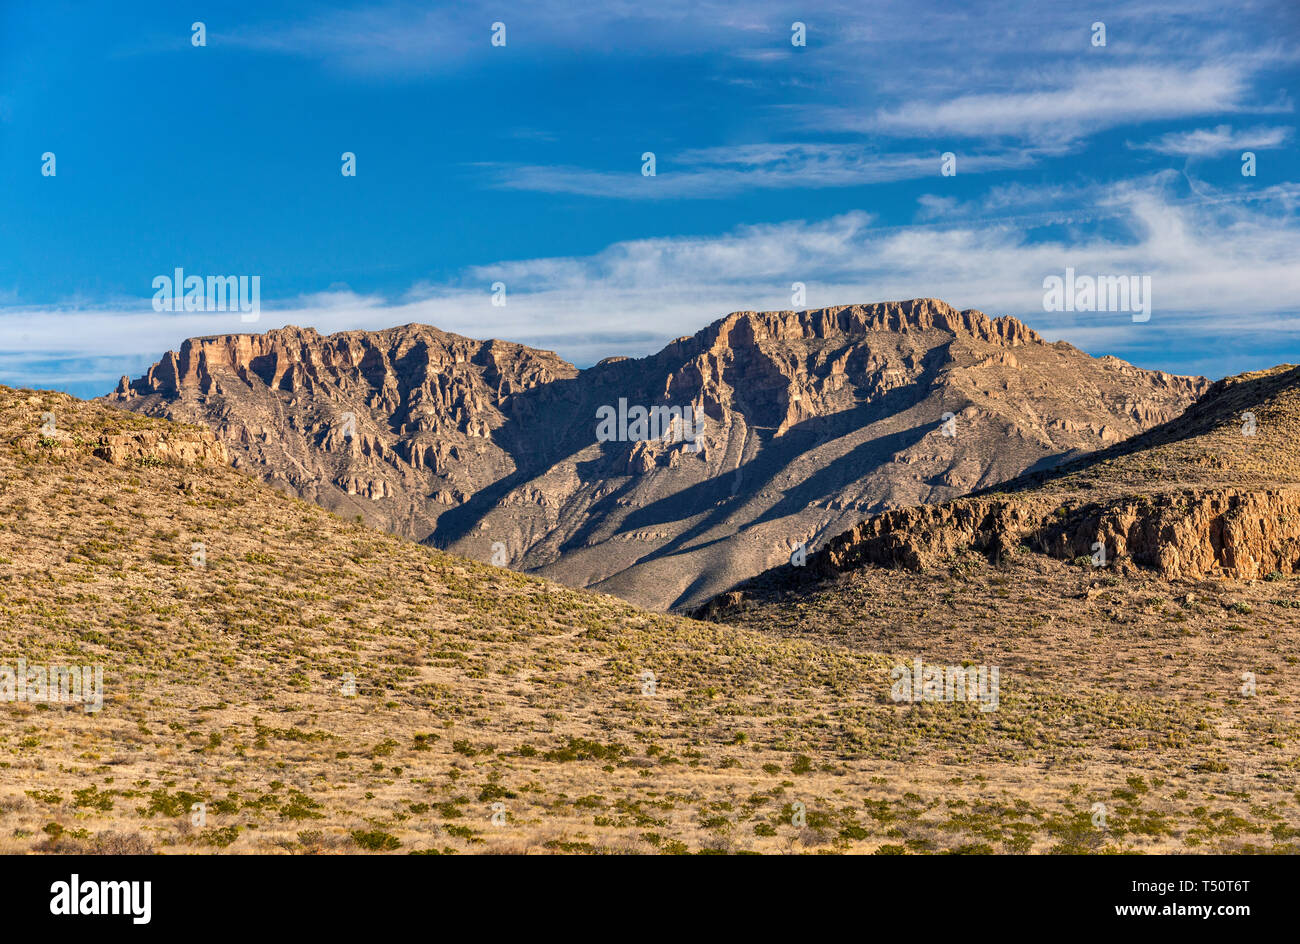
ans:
(226, 725)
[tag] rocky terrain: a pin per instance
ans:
(1212, 493)
(1162, 568)
(276, 679)
(396, 425)
(811, 420)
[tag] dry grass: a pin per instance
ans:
(478, 686)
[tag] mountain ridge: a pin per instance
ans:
(489, 447)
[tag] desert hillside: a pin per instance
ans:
(277, 679)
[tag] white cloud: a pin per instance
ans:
(1228, 266)
(726, 171)
(1203, 142)
(1088, 100)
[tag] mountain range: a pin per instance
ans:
(809, 422)
(278, 679)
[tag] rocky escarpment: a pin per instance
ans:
(805, 422)
(394, 425)
(1194, 533)
(811, 419)
(177, 447)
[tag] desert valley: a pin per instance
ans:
(390, 592)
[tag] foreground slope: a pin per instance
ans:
(483, 693)
(812, 419)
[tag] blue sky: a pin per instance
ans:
(522, 164)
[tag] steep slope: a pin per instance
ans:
(278, 680)
(810, 420)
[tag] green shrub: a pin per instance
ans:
(375, 840)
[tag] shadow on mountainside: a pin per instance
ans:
(1223, 402)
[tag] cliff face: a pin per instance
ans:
(810, 421)
(1196, 533)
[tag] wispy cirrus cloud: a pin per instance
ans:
(726, 171)
(402, 39)
(391, 39)
(1222, 139)
(1062, 110)
(1023, 74)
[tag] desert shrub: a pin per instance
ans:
(220, 837)
(375, 840)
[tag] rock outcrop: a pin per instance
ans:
(175, 447)
(1226, 533)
